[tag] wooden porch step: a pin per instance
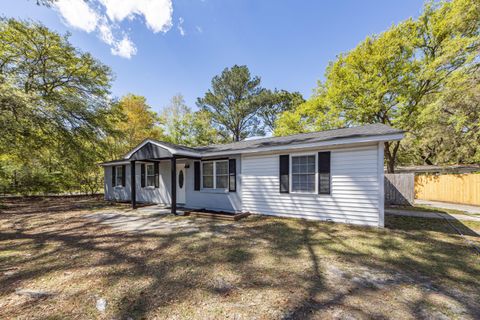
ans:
(217, 215)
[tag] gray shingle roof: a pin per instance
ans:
(363, 131)
(302, 138)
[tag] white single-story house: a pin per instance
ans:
(334, 175)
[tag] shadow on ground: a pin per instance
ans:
(258, 267)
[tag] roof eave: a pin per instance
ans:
(113, 163)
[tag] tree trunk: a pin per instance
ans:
(391, 155)
(236, 135)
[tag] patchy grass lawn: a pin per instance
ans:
(263, 268)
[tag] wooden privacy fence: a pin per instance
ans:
(399, 188)
(457, 188)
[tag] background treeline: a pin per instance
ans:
(58, 119)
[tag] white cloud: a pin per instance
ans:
(157, 13)
(78, 14)
(124, 48)
(105, 16)
(199, 29)
(180, 26)
(105, 33)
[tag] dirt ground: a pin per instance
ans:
(57, 262)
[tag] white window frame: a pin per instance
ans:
(214, 163)
(290, 172)
(117, 170)
(146, 175)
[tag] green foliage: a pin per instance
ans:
(182, 126)
(135, 121)
(233, 103)
(240, 108)
(448, 131)
(274, 103)
(398, 77)
(55, 110)
(312, 115)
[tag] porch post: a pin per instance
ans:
(173, 164)
(133, 188)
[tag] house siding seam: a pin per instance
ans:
(354, 198)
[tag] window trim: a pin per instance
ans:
(290, 173)
(118, 176)
(214, 175)
(147, 175)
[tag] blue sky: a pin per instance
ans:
(158, 48)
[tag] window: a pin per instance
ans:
(215, 174)
(324, 172)
(303, 173)
(119, 176)
(221, 170)
(207, 175)
(150, 175)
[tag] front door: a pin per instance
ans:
(181, 181)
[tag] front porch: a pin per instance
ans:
(151, 152)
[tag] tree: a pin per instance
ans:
(276, 102)
(177, 118)
(53, 99)
(312, 115)
(185, 127)
(137, 122)
(393, 77)
(234, 102)
(448, 131)
(203, 133)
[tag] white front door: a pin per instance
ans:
(181, 181)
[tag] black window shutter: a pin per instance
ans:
(114, 176)
(124, 170)
(142, 175)
(232, 175)
(324, 172)
(284, 173)
(196, 175)
(157, 175)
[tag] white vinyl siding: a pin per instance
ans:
(354, 188)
